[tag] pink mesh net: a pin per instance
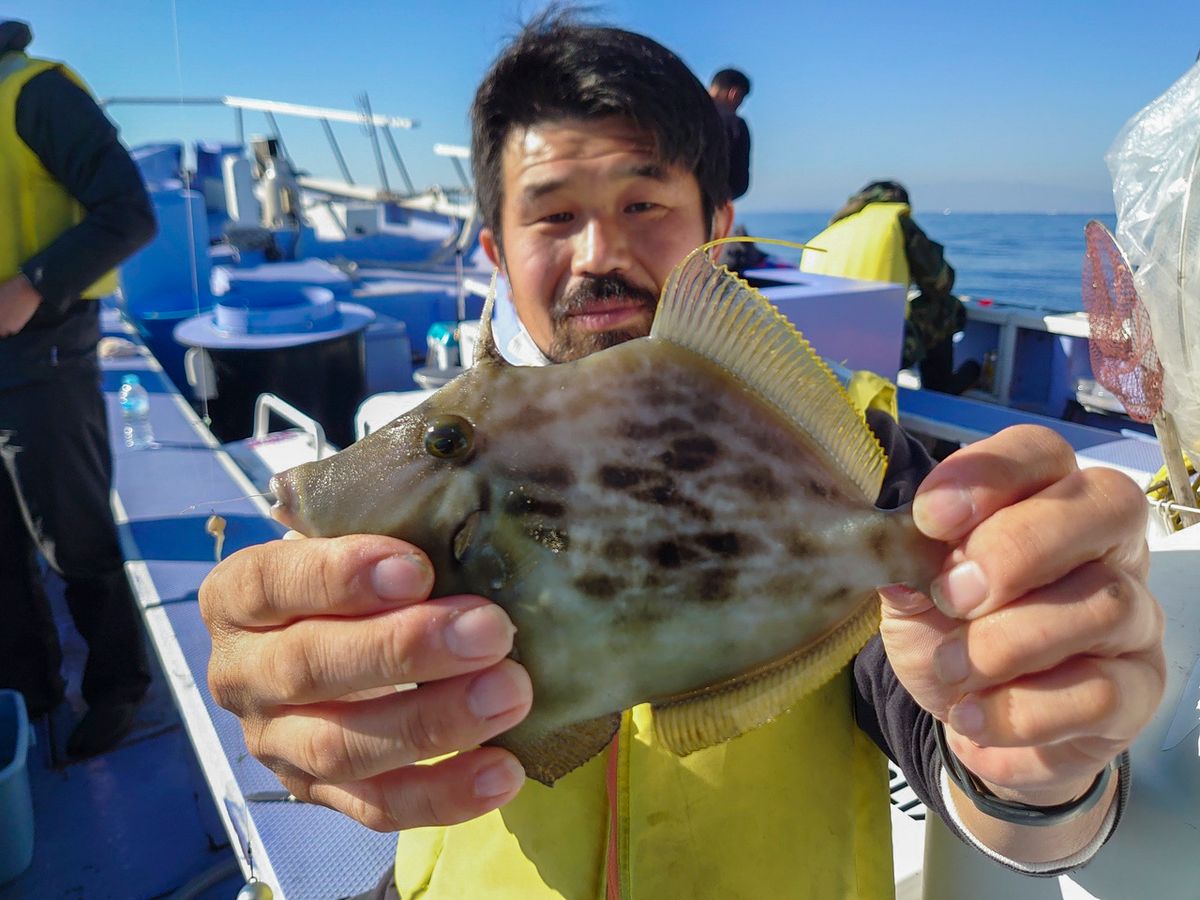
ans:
(1121, 346)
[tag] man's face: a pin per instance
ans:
(592, 224)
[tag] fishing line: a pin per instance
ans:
(193, 263)
(750, 239)
(209, 504)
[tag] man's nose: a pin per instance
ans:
(601, 247)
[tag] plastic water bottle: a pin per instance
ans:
(135, 414)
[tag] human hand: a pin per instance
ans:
(1041, 647)
(311, 639)
(19, 300)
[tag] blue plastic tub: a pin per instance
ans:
(16, 802)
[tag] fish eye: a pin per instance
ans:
(449, 437)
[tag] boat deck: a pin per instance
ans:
(142, 804)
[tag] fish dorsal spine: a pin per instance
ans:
(709, 310)
(486, 351)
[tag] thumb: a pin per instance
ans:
(912, 629)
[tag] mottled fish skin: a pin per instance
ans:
(648, 522)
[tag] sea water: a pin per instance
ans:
(1028, 259)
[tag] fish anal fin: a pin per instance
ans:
(549, 756)
(727, 709)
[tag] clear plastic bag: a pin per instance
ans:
(1155, 165)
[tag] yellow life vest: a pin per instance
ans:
(34, 207)
(795, 809)
(868, 245)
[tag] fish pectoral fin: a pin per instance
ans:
(549, 756)
(727, 709)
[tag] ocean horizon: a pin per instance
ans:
(1027, 259)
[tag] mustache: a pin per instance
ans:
(600, 287)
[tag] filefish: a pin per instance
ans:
(686, 518)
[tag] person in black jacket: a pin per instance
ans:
(728, 88)
(80, 208)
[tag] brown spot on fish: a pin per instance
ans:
(599, 586)
(521, 503)
(817, 489)
(622, 476)
(665, 494)
(671, 555)
(759, 482)
(724, 543)
(690, 454)
(800, 545)
(641, 431)
(840, 596)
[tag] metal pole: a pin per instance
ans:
(241, 126)
(373, 134)
(387, 133)
(337, 152)
(462, 173)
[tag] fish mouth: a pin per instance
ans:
(283, 510)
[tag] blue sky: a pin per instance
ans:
(975, 106)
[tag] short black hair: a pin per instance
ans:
(560, 68)
(732, 78)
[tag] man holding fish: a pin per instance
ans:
(600, 168)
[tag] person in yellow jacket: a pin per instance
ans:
(1032, 664)
(874, 237)
(72, 206)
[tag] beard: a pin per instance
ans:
(566, 344)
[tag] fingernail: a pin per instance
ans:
(496, 692)
(902, 599)
(499, 779)
(405, 577)
(960, 591)
(479, 632)
(950, 662)
(966, 717)
(941, 510)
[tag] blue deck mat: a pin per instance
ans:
(167, 494)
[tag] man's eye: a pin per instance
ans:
(560, 218)
(644, 206)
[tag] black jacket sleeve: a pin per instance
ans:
(926, 260)
(738, 138)
(77, 144)
(883, 708)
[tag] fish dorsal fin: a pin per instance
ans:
(723, 711)
(486, 350)
(711, 311)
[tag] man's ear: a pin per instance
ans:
(722, 222)
(487, 240)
